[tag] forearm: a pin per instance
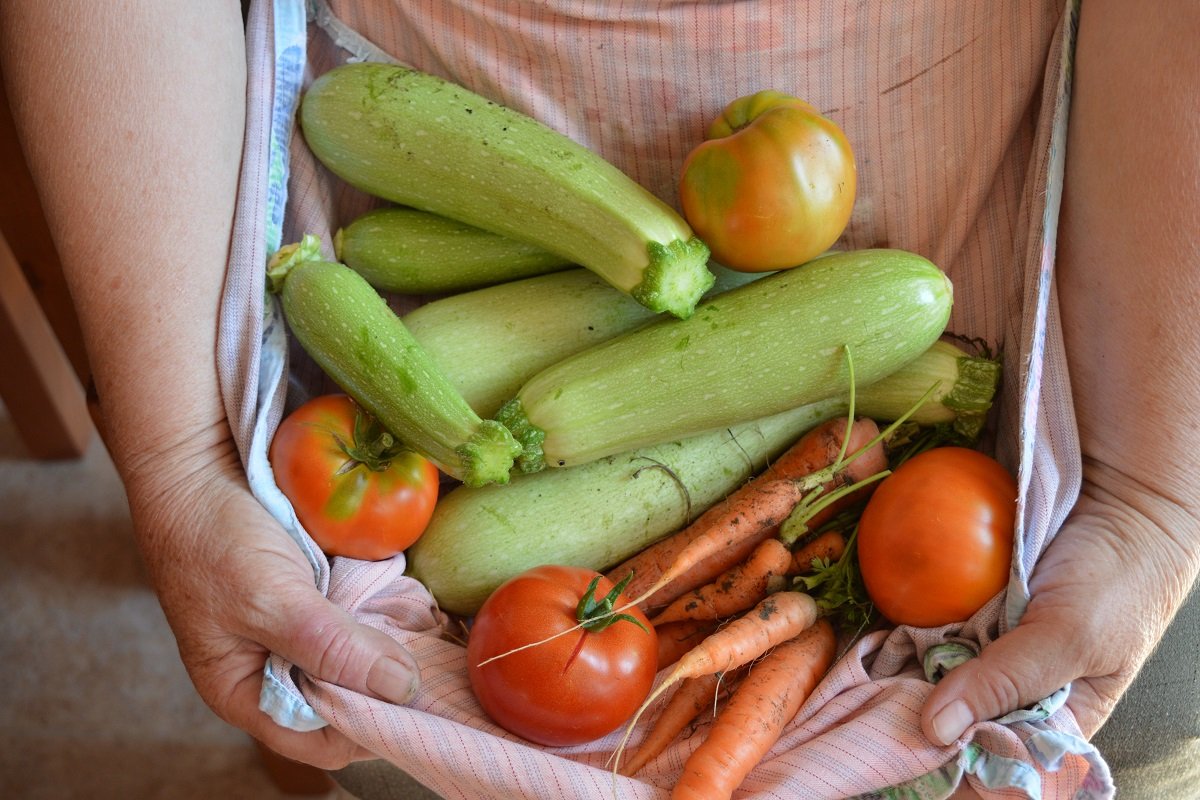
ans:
(132, 119)
(1129, 277)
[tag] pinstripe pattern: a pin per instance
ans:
(956, 113)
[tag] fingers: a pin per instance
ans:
(1025, 665)
(326, 748)
(326, 643)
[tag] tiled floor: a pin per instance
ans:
(94, 702)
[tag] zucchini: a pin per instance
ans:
(773, 344)
(598, 514)
(488, 342)
(594, 515)
(966, 386)
(352, 334)
(415, 252)
(426, 143)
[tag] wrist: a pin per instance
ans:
(1147, 529)
(171, 480)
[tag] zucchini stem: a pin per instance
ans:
(531, 438)
(676, 277)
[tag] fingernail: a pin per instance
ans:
(393, 680)
(951, 721)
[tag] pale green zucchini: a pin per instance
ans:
(774, 344)
(414, 252)
(966, 386)
(593, 515)
(488, 342)
(426, 143)
(352, 334)
(598, 514)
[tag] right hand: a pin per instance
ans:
(235, 587)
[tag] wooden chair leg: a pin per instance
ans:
(38, 383)
(294, 778)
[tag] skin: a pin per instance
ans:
(133, 175)
(136, 158)
(1123, 563)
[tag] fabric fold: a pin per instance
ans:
(859, 735)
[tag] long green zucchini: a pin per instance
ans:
(774, 344)
(593, 515)
(415, 252)
(423, 142)
(598, 514)
(488, 342)
(349, 330)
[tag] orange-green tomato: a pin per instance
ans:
(772, 186)
(355, 490)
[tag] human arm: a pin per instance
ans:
(1128, 284)
(132, 118)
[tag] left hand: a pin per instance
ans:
(1102, 595)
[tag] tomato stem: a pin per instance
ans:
(372, 446)
(596, 615)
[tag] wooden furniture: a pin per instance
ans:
(44, 368)
(43, 365)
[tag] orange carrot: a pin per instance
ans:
(692, 697)
(751, 723)
(731, 529)
(676, 638)
(828, 546)
(736, 524)
(776, 619)
(737, 589)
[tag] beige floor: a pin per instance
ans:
(94, 702)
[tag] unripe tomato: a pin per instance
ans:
(357, 492)
(772, 186)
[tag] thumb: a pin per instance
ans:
(1025, 665)
(325, 642)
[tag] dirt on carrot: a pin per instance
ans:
(776, 619)
(735, 590)
(762, 705)
(726, 534)
(826, 547)
(694, 698)
(676, 638)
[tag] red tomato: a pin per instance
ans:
(935, 539)
(772, 187)
(571, 689)
(355, 490)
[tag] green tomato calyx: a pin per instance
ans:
(372, 446)
(595, 615)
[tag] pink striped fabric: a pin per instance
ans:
(956, 112)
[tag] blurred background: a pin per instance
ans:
(94, 702)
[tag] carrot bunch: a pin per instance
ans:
(733, 631)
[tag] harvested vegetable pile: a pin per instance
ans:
(705, 452)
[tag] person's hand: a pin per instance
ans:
(1109, 583)
(1101, 597)
(235, 587)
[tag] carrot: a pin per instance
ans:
(751, 723)
(776, 619)
(728, 532)
(676, 638)
(693, 696)
(737, 589)
(736, 524)
(828, 546)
